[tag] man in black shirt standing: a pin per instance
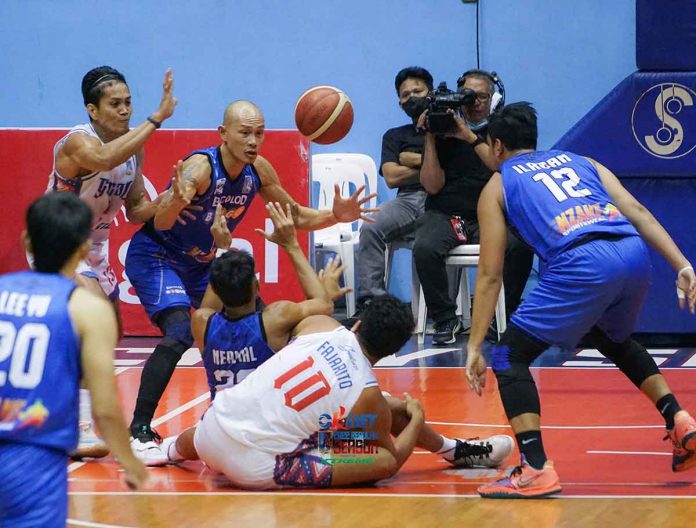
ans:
(402, 149)
(453, 174)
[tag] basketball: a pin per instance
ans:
(324, 114)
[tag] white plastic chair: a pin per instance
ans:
(328, 170)
(367, 166)
(465, 257)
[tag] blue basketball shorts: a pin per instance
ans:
(601, 282)
(33, 486)
(162, 278)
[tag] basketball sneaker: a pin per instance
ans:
(89, 444)
(486, 452)
(524, 482)
(683, 437)
(145, 443)
(446, 332)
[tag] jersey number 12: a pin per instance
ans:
(569, 181)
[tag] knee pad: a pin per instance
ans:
(175, 324)
(630, 357)
(510, 360)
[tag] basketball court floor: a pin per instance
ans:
(605, 438)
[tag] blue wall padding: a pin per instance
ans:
(666, 35)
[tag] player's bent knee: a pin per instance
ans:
(175, 324)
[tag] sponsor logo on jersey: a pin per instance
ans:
(106, 186)
(248, 184)
(15, 414)
(584, 215)
(230, 200)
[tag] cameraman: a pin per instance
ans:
(402, 149)
(454, 174)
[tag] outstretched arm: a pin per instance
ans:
(306, 218)
(89, 153)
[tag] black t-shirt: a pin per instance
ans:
(465, 177)
(402, 139)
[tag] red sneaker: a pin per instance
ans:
(524, 482)
(683, 437)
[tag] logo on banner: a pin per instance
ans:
(664, 120)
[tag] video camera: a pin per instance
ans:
(439, 101)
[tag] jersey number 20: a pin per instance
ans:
(30, 341)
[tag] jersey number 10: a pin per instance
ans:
(293, 392)
(31, 340)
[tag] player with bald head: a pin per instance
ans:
(168, 263)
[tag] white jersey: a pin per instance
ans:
(279, 404)
(104, 192)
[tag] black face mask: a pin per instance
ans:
(414, 107)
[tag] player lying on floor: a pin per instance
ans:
(293, 420)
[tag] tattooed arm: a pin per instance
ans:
(189, 179)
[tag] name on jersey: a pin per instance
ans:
(230, 200)
(339, 368)
(550, 163)
(230, 357)
(584, 215)
(21, 304)
(110, 188)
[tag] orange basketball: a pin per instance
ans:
(324, 114)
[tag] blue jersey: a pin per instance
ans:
(234, 193)
(234, 348)
(556, 198)
(39, 361)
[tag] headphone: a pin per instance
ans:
(498, 98)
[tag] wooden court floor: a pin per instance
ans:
(604, 437)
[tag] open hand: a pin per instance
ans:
(283, 233)
(330, 276)
(168, 101)
(350, 209)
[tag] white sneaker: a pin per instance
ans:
(482, 452)
(146, 446)
(89, 444)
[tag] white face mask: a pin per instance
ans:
(477, 126)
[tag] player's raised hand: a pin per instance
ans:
(183, 187)
(330, 277)
(686, 288)
(220, 230)
(475, 370)
(168, 101)
(283, 233)
(350, 209)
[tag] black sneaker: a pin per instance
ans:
(486, 452)
(446, 332)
